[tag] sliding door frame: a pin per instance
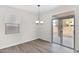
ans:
(70, 16)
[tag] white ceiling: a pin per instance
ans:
(34, 8)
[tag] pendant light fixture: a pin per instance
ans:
(38, 21)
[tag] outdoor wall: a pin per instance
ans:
(27, 27)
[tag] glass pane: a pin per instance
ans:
(68, 32)
(56, 37)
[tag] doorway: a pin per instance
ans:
(63, 31)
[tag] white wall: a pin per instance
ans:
(45, 29)
(27, 27)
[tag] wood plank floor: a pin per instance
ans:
(37, 46)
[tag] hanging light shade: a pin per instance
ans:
(41, 22)
(37, 22)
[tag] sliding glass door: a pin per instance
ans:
(56, 34)
(63, 31)
(68, 32)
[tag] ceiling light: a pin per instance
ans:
(37, 22)
(41, 22)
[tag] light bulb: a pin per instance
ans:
(41, 22)
(37, 22)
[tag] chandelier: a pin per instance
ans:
(38, 21)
